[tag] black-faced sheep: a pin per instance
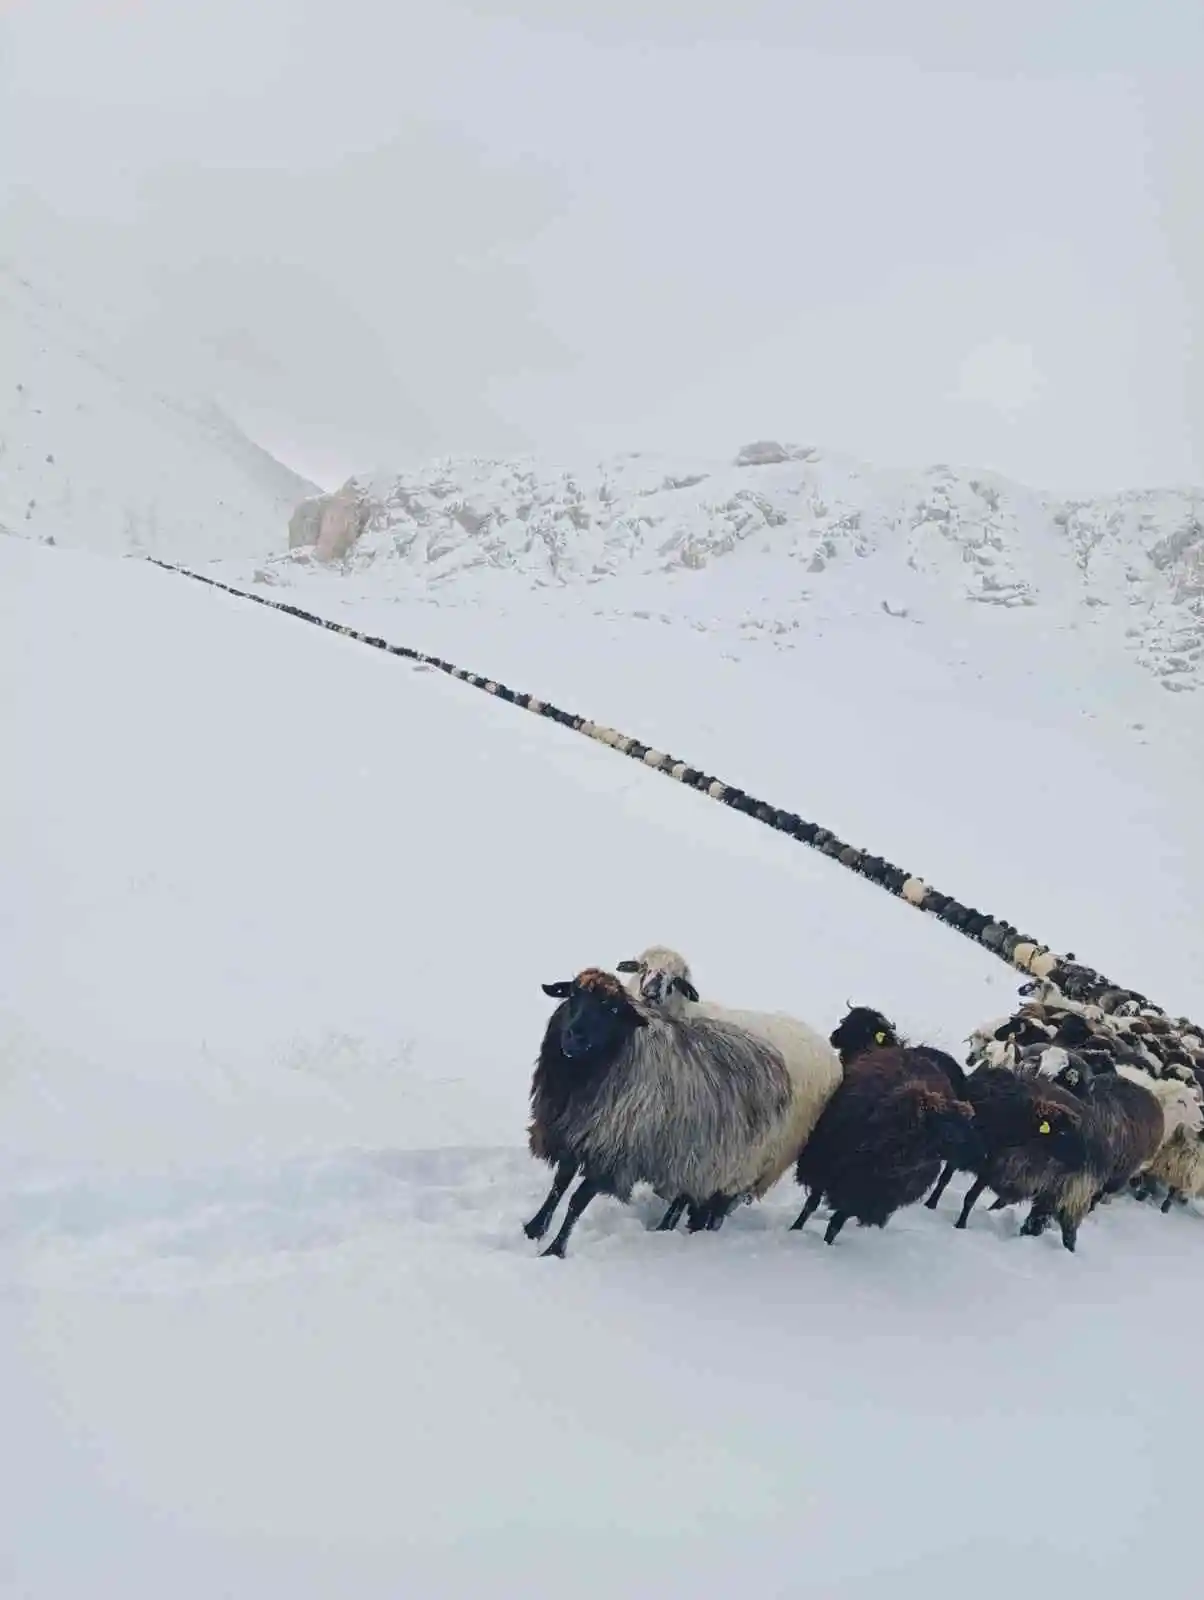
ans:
(625, 1095)
(662, 980)
(882, 1138)
(1123, 1127)
(1032, 1140)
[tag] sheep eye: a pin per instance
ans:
(879, 1037)
(1043, 1128)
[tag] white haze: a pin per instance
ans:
(381, 231)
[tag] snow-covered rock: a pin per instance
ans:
(799, 526)
(330, 524)
(97, 455)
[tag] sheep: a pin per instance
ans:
(1123, 1126)
(1019, 1040)
(624, 1094)
(881, 1139)
(662, 980)
(1032, 1140)
(1178, 1165)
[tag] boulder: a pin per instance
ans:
(329, 524)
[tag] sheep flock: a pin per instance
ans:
(1064, 1105)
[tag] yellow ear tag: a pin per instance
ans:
(879, 1037)
(1044, 1128)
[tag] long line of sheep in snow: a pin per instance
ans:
(1065, 1105)
(994, 933)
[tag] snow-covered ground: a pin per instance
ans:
(96, 452)
(274, 912)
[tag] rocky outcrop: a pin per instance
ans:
(329, 524)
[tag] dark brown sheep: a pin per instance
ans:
(1119, 1123)
(882, 1137)
(1032, 1139)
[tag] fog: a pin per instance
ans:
(380, 231)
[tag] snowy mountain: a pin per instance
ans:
(782, 535)
(97, 455)
(276, 915)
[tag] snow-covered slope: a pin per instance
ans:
(275, 917)
(783, 535)
(93, 454)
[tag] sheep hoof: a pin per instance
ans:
(834, 1227)
(554, 1249)
(536, 1228)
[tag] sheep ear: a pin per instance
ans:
(628, 966)
(686, 987)
(558, 991)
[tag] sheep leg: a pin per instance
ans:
(942, 1183)
(970, 1201)
(538, 1225)
(1038, 1219)
(722, 1205)
(834, 1227)
(1171, 1196)
(709, 1216)
(809, 1210)
(998, 1205)
(579, 1199)
(672, 1216)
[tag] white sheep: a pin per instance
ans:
(661, 979)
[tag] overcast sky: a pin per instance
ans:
(918, 230)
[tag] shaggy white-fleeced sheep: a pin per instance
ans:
(661, 978)
(1181, 1103)
(1179, 1164)
(623, 1094)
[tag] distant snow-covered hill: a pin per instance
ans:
(782, 533)
(95, 455)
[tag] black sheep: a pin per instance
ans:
(1031, 1135)
(882, 1137)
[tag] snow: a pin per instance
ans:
(95, 452)
(276, 912)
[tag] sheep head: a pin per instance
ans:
(596, 1014)
(661, 974)
(1057, 1128)
(860, 1030)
